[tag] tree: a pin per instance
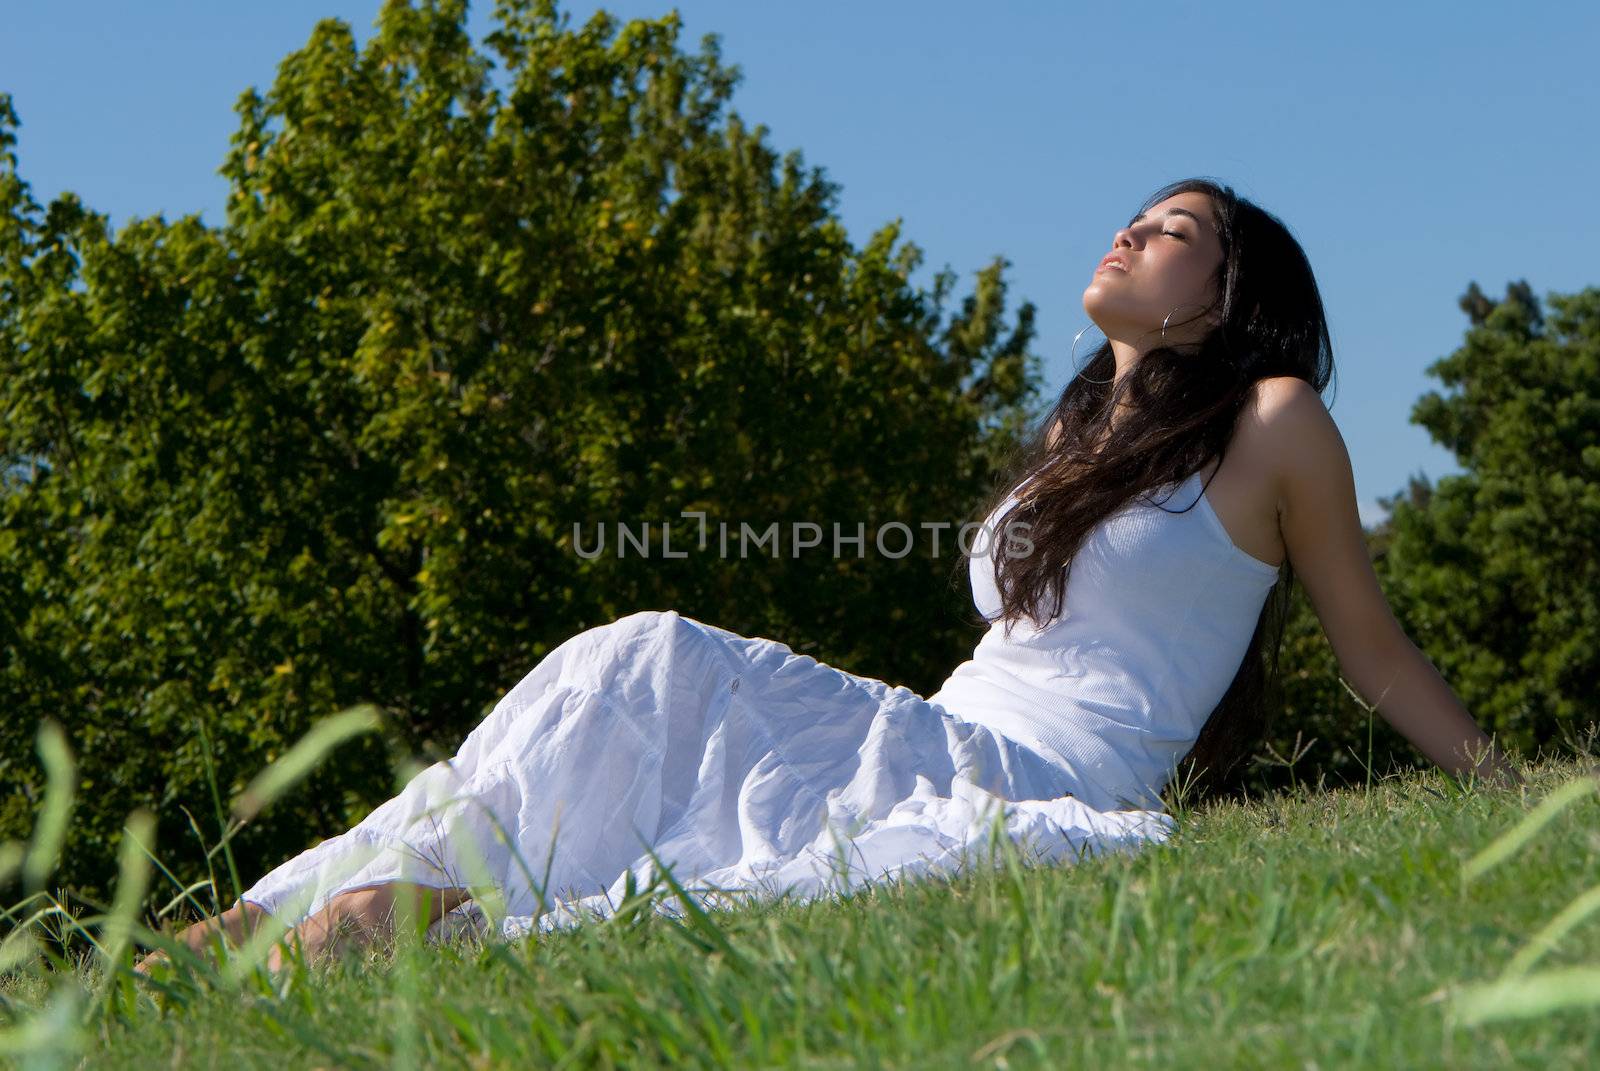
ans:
(1494, 572)
(333, 451)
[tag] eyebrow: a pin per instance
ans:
(1173, 212)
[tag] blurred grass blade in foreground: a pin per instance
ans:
(133, 879)
(1510, 842)
(1553, 931)
(1530, 996)
(54, 1031)
(51, 828)
(309, 750)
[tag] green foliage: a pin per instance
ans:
(1494, 573)
(332, 452)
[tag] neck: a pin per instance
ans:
(1126, 355)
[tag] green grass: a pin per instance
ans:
(1316, 928)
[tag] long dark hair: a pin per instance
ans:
(1176, 412)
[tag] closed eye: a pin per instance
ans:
(1175, 234)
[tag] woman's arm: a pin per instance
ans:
(1321, 530)
(1405, 687)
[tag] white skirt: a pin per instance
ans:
(746, 768)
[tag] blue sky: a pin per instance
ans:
(1412, 148)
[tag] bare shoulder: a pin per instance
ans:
(1297, 441)
(1285, 398)
(1285, 427)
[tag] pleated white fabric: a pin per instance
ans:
(743, 765)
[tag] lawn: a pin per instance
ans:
(1351, 927)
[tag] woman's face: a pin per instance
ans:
(1168, 258)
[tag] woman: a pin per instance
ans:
(1125, 646)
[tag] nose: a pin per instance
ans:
(1123, 239)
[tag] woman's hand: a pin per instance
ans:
(1495, 771)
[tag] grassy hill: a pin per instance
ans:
(1317, 928)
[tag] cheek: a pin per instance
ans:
(1185, 275)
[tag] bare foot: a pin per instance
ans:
(354, 920)
(145, 964)
(234, 926)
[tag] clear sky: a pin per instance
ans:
(1411, 147)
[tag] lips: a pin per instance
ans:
(1113, 261)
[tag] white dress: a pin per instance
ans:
(743, 765)
(1159, 609)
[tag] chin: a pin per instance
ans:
(1099, 304)
(1098, 309)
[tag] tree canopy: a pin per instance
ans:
(334, 450)
(1494, 572)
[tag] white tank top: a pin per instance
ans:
(1156, 617)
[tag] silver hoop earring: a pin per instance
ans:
(1072, 359)
(1175, 308)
